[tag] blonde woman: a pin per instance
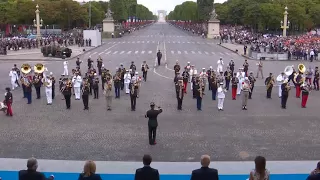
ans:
(89, 172)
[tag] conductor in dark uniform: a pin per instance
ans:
(133, 95)
(159, 56)
(146, 172)
(152, 114)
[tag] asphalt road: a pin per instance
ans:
(52, 132)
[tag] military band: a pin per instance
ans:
(234, 86)
(252, 80)
(246, 88)
(144, 69)
(133, 86)
(269, 82)
(305, 88)
(85, 90)
(285, 88)
(108, 92)
(179, 93)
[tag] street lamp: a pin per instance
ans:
(285, 23)
(38, 23)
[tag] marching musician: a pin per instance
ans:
(309, 74)
(144, 70)
(37, 84)
(99, 65)
(103, 76)
(95, 87)
(252, 80)
(298, 80)
(191, 73)
(199, 94)
(90, 62)
(231, 65)
(209, 74)
(133, 94)
(108, 92)
(78, 62)
(8, 99)
(260, 69)
(214, 86)
(61, 83)
(127, 80)
(159, 56)
(285, 88)
(280, 80)
(316, 79)
(48, 88)
(53, 81)
(133, 69)
(123, 72)
(22, 78)
(18, 73)
(117, 84)
(65, 68)
(269, 84)
(245, 89)
(14, 77)
(179, 93)
(188, 66)
(220, 65)
(240, 76)
(221, 95)
(194, 82)
(305, 88)
(220, 77)
(76, 81)
(246, 67)
(227, 76)
(234, 86)
(176, 67)
(78, 70)
(85, 89)
(66, 91)
(203, 77)
(138, 81)
(185, 78)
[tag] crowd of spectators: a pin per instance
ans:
(259, 172)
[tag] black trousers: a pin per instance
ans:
(152, 134)
(269, 91)
(38, 92)
(68, 100)
(122, 84)
(284, 99)
(102, 83)
(96, 93)
(85, 99)
(316, 84)
(91, 87)
(53, 92)
(24, 91)
(179, 103)
(144, 75)
(133, 102)
(250, 92)
(159, 59)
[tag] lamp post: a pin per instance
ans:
(285, 23)
(38, 23)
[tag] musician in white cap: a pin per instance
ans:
(48, 88)
(53, 81)
(65, 68)
(220, 65)
(76, 81)
(280, 80)
(127, 80)
(240, 76)
(194, 74)
(285, 88)
(191, 72)
(203, 77)
(221, 95)
(246, 87)
(188, 66)
(13, 77)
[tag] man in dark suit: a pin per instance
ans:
(152, 114)
(205, 173)
(147, 172)
(31, 173)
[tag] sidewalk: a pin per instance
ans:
(235, 48)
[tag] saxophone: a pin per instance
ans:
(288, 88)
(109, 85)
(270, 83)
(201, 92)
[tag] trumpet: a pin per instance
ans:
(67, 84)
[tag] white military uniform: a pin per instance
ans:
(76, 81)
(127, 80)
(194, 72)
(65, 68)
(220, 95)
(283, 77)
(13, 78)
(240, 76)
(48, 89)
(191, 72)
(220, 65)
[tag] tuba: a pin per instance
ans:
(302, 68)
(26, 68)
(39, 68)
(288, 70)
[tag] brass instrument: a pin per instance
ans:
(302, 68)
(25, 81)
(109, 85)
(26, 68)
(288, 88)
(85, 85)
(67, 84)
(45, 82)
(36, 79)
(39, 68)
(133, 86)
(271, 82)
(201, 92)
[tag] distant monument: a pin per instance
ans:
(108, 22)
(213, 24)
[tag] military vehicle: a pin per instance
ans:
(56, 51)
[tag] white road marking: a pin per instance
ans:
(179, 52)
(121, 52)
(154, 70)
(213, 53)
(115, 52)
(129, 52)
(186, 52)
(150, 52)
(199, 52)
(206, 52)
(173, 42)
(94, 53)
(123, 42)
(227, 53)
(129, 42)
(138, 41)
(133, 42)
(142, 41)
(153, 41)
(188, 42)
(148, 41)
(178, 42)
(142, 52)
(168, 42)
(108, 52)
(172, 52)
(221, 53)
(192, 52)
(136, 52)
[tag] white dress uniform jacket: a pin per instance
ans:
(191, 71)
(76, 81)
(65, 68)
(194, 72)
(240, 76)
(13, 78)
(220, 66)
(280, 83)
(127, 80)
(48, 89)
(220, 95)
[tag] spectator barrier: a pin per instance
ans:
(120, 170)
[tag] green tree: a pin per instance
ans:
(119, 9)
(204, 9)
